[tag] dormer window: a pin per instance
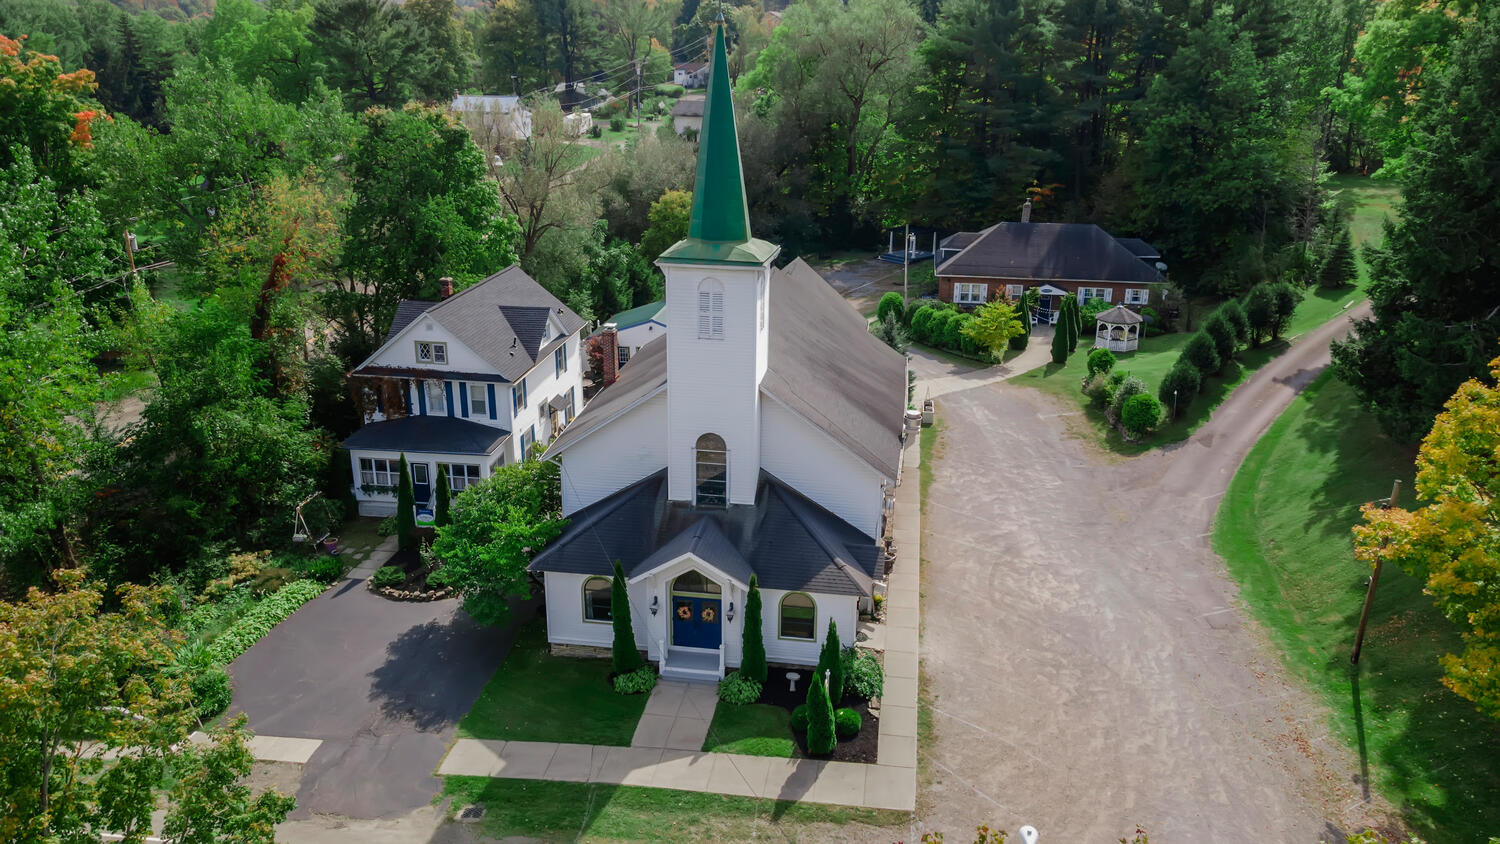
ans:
(710, 310)
(430, 352)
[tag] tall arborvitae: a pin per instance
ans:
(627, 657)
(406, 515)
(441, 516)
(820, 735)
(753, 652)
(831, 660)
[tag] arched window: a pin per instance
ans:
(597, 596)
(799, 617)
(694, 581)
(712, 488)
(710, 310)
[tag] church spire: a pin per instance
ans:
(719, 230)
(719, 210)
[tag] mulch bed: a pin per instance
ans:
(861, 748)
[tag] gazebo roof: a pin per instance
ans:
(1120, 315)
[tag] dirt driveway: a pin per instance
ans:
(1089, 665)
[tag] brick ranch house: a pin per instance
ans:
(1055, 259)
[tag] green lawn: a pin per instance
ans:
(1150, 364)
(756, 729)
(1283, 530)
(535, 696)
(567, 811)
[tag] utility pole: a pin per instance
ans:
(1364, 614)
(638, 95)
(906, 264)
(130, 252)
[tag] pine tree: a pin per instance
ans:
(1338, 267)
(820, 736)
(753, 650)
(831, 660)
(627, 656)
(406, 511)
(444, 496)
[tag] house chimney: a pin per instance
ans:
(445, 287)
(1026, 211)
(609, 350)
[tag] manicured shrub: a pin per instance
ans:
(627, 657)
(406, 514)
(831, 660)
(441, 516)
(1131, 386)
(753, 645)
(325, 569)
(908, 310)
(799, 717)
(1019, 342)
(1202, 354)
(1100, 362)
(1072, 319)
(949, 329)
(1060, 347)
(820, 735)
(387, 527)
(921, 323)
(211, 692)
(259, 620)
(388, 576)
(438, 578)
(617, 124)
(1140, 414)
(1183, 379)
(1218, 329)
(739, 689)
(1101, 389)
(846, 723)
(863, 677)
(1234, 314)
(891, 304)
(636, 682)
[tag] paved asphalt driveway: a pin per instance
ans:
(1090, 666)
(382, 683)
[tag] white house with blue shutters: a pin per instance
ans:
(469, 383)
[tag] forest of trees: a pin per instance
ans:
(290, 172)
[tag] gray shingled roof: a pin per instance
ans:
(500, 319)
(1119, 315)
(431, 434)
(1049, 252)
(645, 374)
(827, 367)
(1139, 248)
(406, 311)
(785, 539)
(689, 106)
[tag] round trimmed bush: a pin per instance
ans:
(636, 682)
(388, 576)
(1202, 354)
(1140, 414)
(1131, 386)
(1183, 378)
(1220, 331)
(1100, 362)
(738, 689)
(799, 717)
(1234, 314)
(211, 692)
(890, 304)
(921, 323)
(846, 723)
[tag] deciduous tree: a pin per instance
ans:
(994, 325)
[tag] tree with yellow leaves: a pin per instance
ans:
(1453, 542)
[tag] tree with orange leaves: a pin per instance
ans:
(45, 110)
(1453, 543)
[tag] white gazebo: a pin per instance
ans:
(1118, 329)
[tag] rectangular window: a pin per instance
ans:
(430, 352)
(528, 437)
(518, 396)
(569, 417)
(1087, 293)
(460, 475)
(1137, 295)
(436, 403)
(624, 355)
(1013, 292)
(560, 359)
(478, 401)
(969, 293)
(378, 471)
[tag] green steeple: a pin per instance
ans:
(719, 231)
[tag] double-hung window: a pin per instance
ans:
(430, 352)
(569, 416)
(518, 396)
(1013, 292)
(1086, 294)
(460, 475)
(528, 437)
(1137, 295)
(479, 404)
(436, 398)
(560, 359)
(378, 471)
(623, 356)
(969, 293)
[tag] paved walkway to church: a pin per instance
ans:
(665, 751)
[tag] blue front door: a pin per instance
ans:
(695, 622)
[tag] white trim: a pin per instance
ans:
(879, 471)
(693, 561)
(550, 453)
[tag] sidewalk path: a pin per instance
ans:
(940, 375)
(677, 716)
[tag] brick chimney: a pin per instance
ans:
(609, 350)
(445, 287)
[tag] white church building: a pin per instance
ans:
(762, 437)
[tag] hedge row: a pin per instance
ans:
(256, 623)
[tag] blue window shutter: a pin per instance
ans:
(406, 396)
(493, 411)
(421, 397)
(448, 395)
(463, 397)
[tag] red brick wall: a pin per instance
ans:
(997, 287)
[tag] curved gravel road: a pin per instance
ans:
(1089, 664)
